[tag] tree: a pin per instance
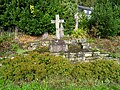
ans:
(87, 3)
(18, 13)
(106, 16)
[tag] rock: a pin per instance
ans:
(96, 53)
(87, 54)
(45, 36)
(104, 55)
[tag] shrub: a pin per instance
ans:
(105, 18)
(80, 33)
(101, 70)
(5, 43)
(41, 67)
(106, 70)
(34, 66)
(34, 16)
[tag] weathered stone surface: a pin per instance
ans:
(45, 36)
(96, 53)
(104, 54)
(59, 30)
(58, 46)
(88, 54)
(32, 46)
(85, 45)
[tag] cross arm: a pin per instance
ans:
(53, 21)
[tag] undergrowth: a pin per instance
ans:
(58, 71)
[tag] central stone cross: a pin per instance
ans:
(57, 24)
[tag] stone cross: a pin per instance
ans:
(76, 21)
(57, 24)
(61, 30)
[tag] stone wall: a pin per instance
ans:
(86, 54)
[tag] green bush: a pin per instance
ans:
(44, 66)
(105, 18)
(38, 86)
(80, 33)
(106, 70)
(5, 37)
(34, 66)
(34, 16)
(5, 43)
(101, 70)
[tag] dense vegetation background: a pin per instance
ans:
(58, 72)
(36, 69)
(34, 16)
(105, 18)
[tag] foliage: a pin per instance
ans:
(40, 67)
(5, 43)
(37, 86)
(101, 70)
(115, 55)
(106, 16)
(21, 51)
(34, 16)
(107, 45)
(34, 66)
(80, 33)
(5, 37)
(42, 49)
(83, 20)
(88, 3)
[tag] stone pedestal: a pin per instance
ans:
(58, 46)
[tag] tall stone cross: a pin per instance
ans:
(76, 21)
(57, 24)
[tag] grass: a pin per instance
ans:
(20, 51)
(37, 86)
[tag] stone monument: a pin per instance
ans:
(58, 46)
(59, 30)
(76, 21)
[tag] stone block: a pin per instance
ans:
(88, 54)
(85, 45)
(96, 53)
(104, 55)
(58, 46)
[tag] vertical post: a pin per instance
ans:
(76, 17)
(9, 31)
(16, 33)
(61, 30)
(57, 27)
(76, 21)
